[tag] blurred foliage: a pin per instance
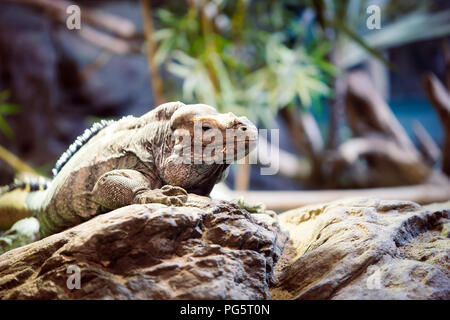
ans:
(227, 58)
(345, 20)
(6, 109)
(403, 22)
(256, 57)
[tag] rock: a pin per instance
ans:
(210, 249)
(365, 249)
(61, 82)
(205, 250)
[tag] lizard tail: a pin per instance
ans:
(13, 206)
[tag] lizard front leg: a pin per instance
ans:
(119, 188)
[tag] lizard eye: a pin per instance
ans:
(205, 127)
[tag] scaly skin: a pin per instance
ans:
(133, 161)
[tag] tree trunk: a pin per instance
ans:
(390, 156)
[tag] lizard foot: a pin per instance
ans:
(168, 195)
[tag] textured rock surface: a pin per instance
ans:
(352, 249)
(206, 250)
(366, 249)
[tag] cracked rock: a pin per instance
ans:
(365, 249)
(205, 250)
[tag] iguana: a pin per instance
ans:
(118, 163)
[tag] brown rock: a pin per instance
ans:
(365, 249)
(206, 250)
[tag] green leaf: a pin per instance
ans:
(5, 128)
(165, 16)
(162, 34)
(163, 52)
(179, 70)
(9, 108)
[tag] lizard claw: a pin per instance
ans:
(173, 190)
(168, 195)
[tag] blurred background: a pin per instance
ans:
(359, 94)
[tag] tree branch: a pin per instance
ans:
(151, 50)
(429, 149)
(286, 200)
(440, 99)
(118, 26)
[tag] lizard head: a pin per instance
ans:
(205, 142)
(208, 136)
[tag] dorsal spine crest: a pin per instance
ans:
(81, 141)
